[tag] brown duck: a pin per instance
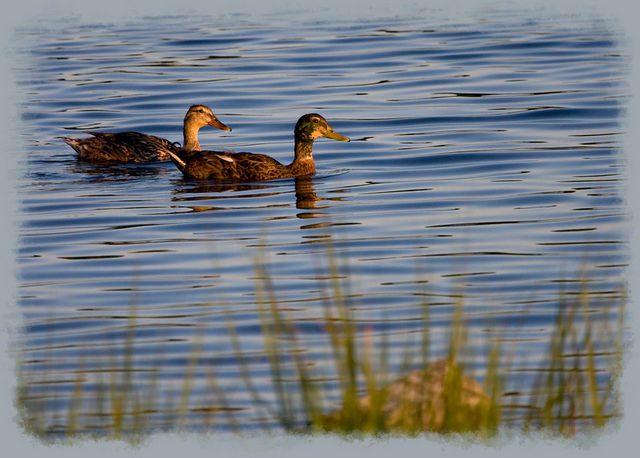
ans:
(250, 167)
(134, 147)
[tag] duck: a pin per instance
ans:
(252, 167)
(134, 147)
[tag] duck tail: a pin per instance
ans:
(177, 161)
(69, 140)
(72, 142)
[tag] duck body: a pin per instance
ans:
(135, 147)
(251, 167)
(123, 147)
(241, 167)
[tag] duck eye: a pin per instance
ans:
(315, 120)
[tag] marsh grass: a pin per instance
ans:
(567, 396)
(576, 392)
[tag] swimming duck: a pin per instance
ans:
(134, 147)
(250, 167)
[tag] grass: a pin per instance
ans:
(574, 394)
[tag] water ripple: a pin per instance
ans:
(484, 164)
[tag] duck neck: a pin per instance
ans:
(303, 162)
(190, 134)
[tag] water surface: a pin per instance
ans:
(485, 163)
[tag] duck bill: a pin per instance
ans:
(219, 125)
(336, 136)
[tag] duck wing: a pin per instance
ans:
(136, 147)
(211, 165)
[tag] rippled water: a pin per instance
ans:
(485, 162)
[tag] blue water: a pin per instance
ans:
(485, 163)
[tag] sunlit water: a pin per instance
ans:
(485, 162)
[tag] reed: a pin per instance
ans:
(576, 392)
(567, 396)
(565, 399)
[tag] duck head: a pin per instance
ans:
(312, 125)
(201, 115)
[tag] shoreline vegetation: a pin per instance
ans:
(575, 395)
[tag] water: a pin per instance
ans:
(485, 162)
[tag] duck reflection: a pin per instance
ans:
(118, 172)
(193, 191)
(186, 186)
(306, 196)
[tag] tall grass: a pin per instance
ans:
(567, 395)
(576, 392)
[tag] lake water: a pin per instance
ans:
(485, 164)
